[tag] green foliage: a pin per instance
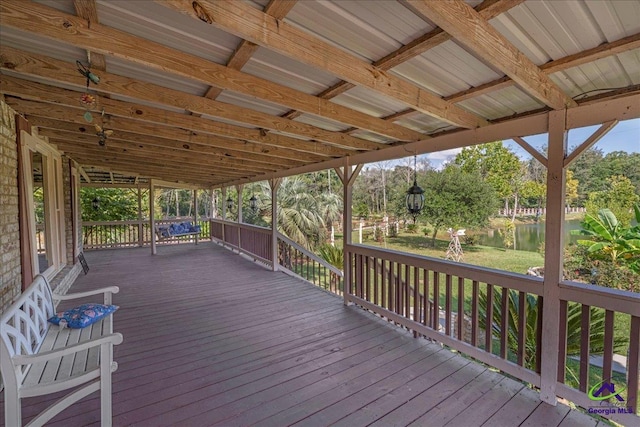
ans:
(610, 239)
(332, 254)
(619, 197)
(579, 266)
(470, 239)
(457, 199)
(574, 313)
(494, 162)
(412, 228)
(426, 231)
(508, 235)
(115, 204)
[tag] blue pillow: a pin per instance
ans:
(83, 315)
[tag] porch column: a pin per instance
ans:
(348, 177)
(152, 219)
(553, 254)
(224, 210)
(274, 184)
(239, 189)
(140, 224)
(195, 208)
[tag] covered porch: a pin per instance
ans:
(212, 338)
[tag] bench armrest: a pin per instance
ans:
(108, 291)
(114, 339)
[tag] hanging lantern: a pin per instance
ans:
(229, 203)
(95, 203)
(253, 203)
(415, 196)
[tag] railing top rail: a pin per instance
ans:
(242, 225)
(516, 281)
(310, 254)
(125, 222)
(599, 296)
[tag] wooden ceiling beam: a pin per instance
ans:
(590, 55)
(245, 50)
(57, 117)
(244, 21)
(96, 156)
(17, 61)
(233, 137)
(488, 9)
(48, 22)
(469, 28)
(157, 153)
(86, 9)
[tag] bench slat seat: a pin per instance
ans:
(38, 358)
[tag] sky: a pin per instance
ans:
(625, 136)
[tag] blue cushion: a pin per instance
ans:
(83, 315)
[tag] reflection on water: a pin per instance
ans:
(529, 237)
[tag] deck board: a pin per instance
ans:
(211, 338)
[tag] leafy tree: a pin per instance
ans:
(454, 198)
(620, 198)
(496, 164)
(571, 189)
(114, 204)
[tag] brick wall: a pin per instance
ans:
(10, 276)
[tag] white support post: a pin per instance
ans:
(195, 214)
(553, 255)
(274, 184)
(140, 224)
(239, 189)
(152, 219)
(224, 211)
(347, 176)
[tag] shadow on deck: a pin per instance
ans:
(213, 339)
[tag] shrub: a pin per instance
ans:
(412, 228)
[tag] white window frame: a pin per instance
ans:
(53, 199)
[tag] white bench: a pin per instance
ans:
(38, 358)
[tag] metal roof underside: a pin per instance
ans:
(211, 93)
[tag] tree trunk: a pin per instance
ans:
(433, 237)
(513, 219)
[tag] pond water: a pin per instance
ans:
(529, 237)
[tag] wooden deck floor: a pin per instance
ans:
(213, 339)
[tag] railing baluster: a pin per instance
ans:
(562, 341)
(488, 333)
(436, 301)
(425, 297)
(585, 338)
(522, 325)
(633, 376)
(416, 295)
(447, 305)
(461, 308)
(607, 363)
(504, 323)
(407, 291)
(375, 281)
(474, 314)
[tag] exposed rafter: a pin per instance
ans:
(48, 22)
(244, 21)
(468, 27)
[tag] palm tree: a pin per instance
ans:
(300, 214)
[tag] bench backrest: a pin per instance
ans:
(24, 325)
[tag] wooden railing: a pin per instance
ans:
(248, 239)
(257, 242)
(309, 266)
(123, 234)
(609, 305)
(469, 317)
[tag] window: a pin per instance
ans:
(42, 177)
